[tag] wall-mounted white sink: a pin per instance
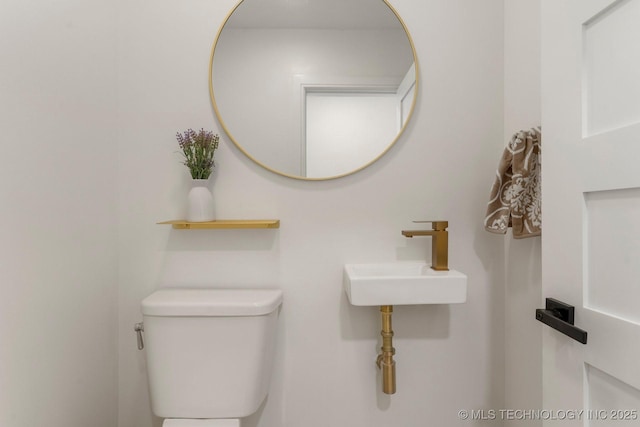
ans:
(402, 283)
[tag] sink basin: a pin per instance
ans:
(403, 283)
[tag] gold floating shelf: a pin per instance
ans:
(223, 224)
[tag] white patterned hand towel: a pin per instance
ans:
(515, 196)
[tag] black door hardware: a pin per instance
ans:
(560, 316)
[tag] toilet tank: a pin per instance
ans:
(209, 351)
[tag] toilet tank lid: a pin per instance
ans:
(211, 302)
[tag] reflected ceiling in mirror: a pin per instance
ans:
(313, 89)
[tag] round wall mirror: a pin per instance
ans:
(313, 89)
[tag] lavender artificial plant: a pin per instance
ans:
(198, 149)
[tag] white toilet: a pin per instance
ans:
(209, 353)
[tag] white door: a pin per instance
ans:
(347, 130)
(591, 208)
(406, 94)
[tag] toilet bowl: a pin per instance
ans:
(201, 423)
(209, 353)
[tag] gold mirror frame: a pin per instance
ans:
(298, 177)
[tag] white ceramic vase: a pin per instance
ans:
(200, 202)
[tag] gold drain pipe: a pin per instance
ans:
(385, 358)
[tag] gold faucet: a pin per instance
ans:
(439, 243)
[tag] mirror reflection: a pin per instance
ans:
(313, 89)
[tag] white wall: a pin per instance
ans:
(449, 358)
(58, 239)
(523, 293)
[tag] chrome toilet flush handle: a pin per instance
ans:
(139, 328)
